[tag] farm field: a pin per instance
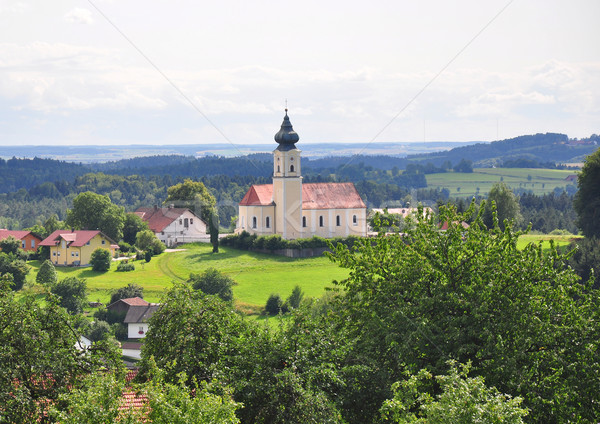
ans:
(481, 180)
(559, 241)
(258, 275)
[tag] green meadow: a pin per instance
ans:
(257, 275)
(481, 180)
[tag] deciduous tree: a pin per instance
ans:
(72, 293)
(93, 211)
(587, 198)
(212, 281)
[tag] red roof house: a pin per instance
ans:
(75, 247)
(29, 241)
(174, 226)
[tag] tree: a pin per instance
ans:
(192, 195)
(214, 282)
(47, 274)
(37, 341)
(133, 224)
(10, 245)
(95, 211)
(520, 316)
(587, 198)
(506, 204)
(462, 400)
(72, 292)
(146, 240)
(98, 330)
(464, 165)
(17, 269)
(213, 229)
(129, 291)
(100, 260)
(274, 304)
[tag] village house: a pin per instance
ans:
(29, 241)
(174, 226)
(75, 247)
(135, 312)
(295, 210)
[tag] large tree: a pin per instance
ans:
(93, 211)
(520, 316)
(192, 195)
(506, 205)
(72, 294)
(587, 199)
(133, 224)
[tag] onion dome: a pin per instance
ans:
(286, 137)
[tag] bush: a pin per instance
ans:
(100, 260)
(213, 282)
(98, 330)
(47, 274)
(148, 256)
(124, 247)
(120, 331)
(273, 305)
(125, 266)
(72, 292)
(126, 292)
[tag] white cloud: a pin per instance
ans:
(79, 16)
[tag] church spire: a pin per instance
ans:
(286, 136)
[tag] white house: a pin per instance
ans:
(137, 319)
(174, 226)
(295, 210)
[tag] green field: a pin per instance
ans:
(257, 275)
(539, 181)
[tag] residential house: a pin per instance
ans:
(174, 226)
(137, 319)
(295, 210)
(75, 247)
(29, 241)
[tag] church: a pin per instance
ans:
(295, 210)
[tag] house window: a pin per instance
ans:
(72, 254)
(180, 221)
(57, 253)
(33, 244)
(268, 222)
(253, 222)
(304, 221)
(354, 220)
(186, 222)
(338, 220)
(103, 241)
(141, 330)
(191, 221)
(321, 221)
(53, 253)
(88, 243)
(62, 244)
(23, 244)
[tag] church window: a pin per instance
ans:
(278, 169)
(338, 220)
(291, 168)
(321, 224)
(268, 222)
(253, 222)
(304, 221)
(354, 220)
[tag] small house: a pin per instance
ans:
(174, 226)
(29, 241)
(75, 247)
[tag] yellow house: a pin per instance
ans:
(74, 248)
(295, 210)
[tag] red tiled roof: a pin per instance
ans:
(314, 196)
(258, 195)
(19, 235)
(75, 238)
(135, 301)
(160, 218)
(445, 225)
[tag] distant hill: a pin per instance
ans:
(540, 148)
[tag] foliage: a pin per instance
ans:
(16, 268)
(585, 261)
(587, 199)
(100, 259)
(463, 400)
(146, 240)
(148, 256)
(132, 225)
(293, 302)
(214, 282)
(520, 316)
(39, 341)
(246, 241)
(506, 206)
(465, 165)
(95, 211)
(192, 195)
(274, 304)
(125, 266)
(47, 274)
(213, 229)
(98, 330)
(129, 291)
(72, 293)
(10, 245)
(387, 222)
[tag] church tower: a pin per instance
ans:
(287, 182)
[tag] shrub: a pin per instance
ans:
(125, 266)
(47, 274)
(148, 256)
(124, 247)
(273, 305)
(100, 260)
(98, 330)
(72, 292)
(214, 282)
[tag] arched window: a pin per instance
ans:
(354, 220)
(304, 221)
(321, 221)
(278, 169)
(291, 168)
(268, 222)
(338, 220)
(253, 222)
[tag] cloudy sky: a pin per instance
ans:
(185, 71)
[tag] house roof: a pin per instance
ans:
(445, 225)
(76, 238)
(314, 196)
(160, 218)
(137, 313)
(19, 235)
(130, 301)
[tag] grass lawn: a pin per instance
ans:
(524, 240)
(258, 275)
(539, 181)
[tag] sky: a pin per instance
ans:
(110, 72)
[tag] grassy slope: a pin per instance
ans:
(542, 180)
